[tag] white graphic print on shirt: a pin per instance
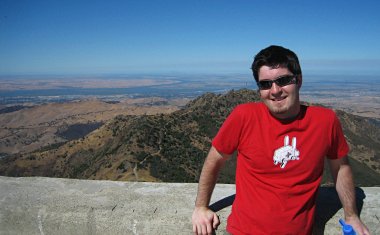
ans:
(286, 153)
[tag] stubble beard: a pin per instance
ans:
(277, 109)
(288, 109)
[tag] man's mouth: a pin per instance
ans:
(278, 99)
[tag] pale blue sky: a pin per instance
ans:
(140, 36)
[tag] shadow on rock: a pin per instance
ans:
(328, 204)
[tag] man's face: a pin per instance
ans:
(283, 102)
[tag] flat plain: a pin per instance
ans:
(40, 112)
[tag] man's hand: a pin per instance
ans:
(357, 225)
(205, 221)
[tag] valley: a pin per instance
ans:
(154, 131)
(167, 144)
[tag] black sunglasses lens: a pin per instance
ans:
(283, 81)
(265, 85)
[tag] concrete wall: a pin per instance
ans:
(39, 205)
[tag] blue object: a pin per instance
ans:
(346, 228)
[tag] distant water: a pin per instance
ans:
(348, 85)
(62, 95)
(183, 88)
(313, 85)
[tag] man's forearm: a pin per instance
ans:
(208, 178)
(344, 183)
(206, 186)
(346, 190)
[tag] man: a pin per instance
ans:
(281, 146)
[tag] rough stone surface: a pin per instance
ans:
(39, 205)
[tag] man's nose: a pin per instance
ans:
(275, 88)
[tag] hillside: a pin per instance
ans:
(25, 129)
(171, 147)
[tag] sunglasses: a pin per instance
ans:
(280, 81)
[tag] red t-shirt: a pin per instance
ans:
(279, 166)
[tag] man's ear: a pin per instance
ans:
(299, 81)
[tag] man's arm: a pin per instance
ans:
(344, 183)
(205, 220)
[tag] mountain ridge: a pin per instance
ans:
(171, 147)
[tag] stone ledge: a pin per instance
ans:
(37, 205)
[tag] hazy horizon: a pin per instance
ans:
(363, 90)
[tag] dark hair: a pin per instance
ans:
(275, 57)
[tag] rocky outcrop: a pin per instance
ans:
(36, 205)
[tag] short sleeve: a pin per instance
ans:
(227, 139)
(339, 147)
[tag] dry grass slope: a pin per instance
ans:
(29, 129)
(171, 147)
